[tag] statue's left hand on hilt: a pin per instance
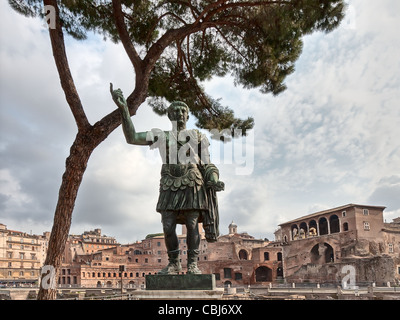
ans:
(215, 183)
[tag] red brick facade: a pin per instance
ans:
(316, 247)
(236, 259)
(312, 248)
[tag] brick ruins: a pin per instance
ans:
(313, 248)
(316, 248)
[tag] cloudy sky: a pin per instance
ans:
(332, 138)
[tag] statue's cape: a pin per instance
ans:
(211, 216)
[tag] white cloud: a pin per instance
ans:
(10, 190)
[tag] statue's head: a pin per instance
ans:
(178, 111)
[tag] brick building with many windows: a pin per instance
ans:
(21, 257)
(237, 259)
(311, 248)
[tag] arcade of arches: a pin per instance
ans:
(319, 227)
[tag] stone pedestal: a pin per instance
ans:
(180, 282)
(178, 287)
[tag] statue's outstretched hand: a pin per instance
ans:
(118, 97)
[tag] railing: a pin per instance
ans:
(386, 289)
(251, 292)
(125, 296)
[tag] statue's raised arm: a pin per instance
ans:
(131, 136)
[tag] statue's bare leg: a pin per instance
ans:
(193, 241)
(168, 219)
(171, 242)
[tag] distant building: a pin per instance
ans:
(87, 242)
(94, 241)
(237, 259)
(21, 256)
(317, 246)
(311, 248)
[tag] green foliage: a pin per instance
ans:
(29, 8)
(257, 42)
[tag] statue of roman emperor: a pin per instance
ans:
(188, 184)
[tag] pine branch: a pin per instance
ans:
(125, 38)
(61, 61)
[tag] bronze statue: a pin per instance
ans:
(188, 184)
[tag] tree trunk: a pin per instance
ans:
(85, 143)
(76, 164)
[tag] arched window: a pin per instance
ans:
(242, 254)
(266, 256)
(312, 229)
(303, 230)
(263, 274)
(345, 226)
(279, 256)
(295, 231)
(334, 223)
(322, 253)
(323, 226)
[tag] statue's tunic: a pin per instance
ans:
(181, 188)
(184, 174)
